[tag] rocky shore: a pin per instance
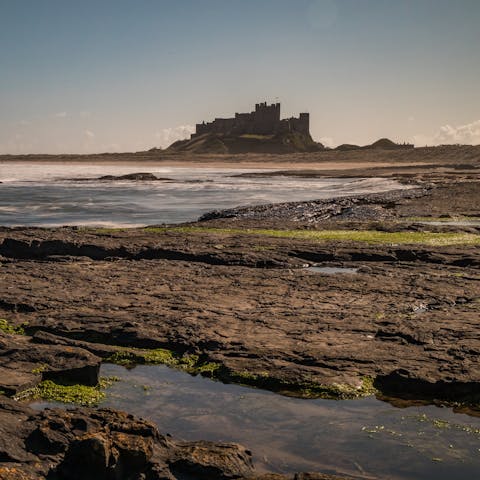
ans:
(232, 297)
(376, 206)
(103, 444)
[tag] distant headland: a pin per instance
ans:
(260, 131)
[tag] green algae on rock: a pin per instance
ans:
(192, 364)
(162, 356)
(68, 393)
(365, 236)
(338, 391)
(6, 327)
(303, 388)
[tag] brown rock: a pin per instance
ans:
(86, 458)
(25, 363)
(206, 460)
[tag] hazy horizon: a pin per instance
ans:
(128, 75)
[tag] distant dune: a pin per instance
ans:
(457, 155)
(248, 143)
(383, 143)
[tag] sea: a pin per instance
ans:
(59, 194)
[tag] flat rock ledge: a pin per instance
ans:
(412, 310)
(24, 363)
(103, 444)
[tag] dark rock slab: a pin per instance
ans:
(134, 177)
(25, 363)
(139, 177)
(15, 380)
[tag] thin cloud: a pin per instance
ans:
(169, 135)
(468, 134)
(89, 134)
(422, 140)
(327, 142)
(60, 115)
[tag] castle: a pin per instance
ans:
(265, 120)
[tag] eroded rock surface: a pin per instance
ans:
(408, 319)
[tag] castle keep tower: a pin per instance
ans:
(264, 120)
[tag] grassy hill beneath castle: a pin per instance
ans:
(290, 142)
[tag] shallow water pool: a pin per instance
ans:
(365, 438)
(331, 270)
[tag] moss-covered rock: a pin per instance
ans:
(6, 327)
(193, 364)
(68, 393)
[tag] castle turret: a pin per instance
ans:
(304, 123)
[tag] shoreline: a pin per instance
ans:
(455, 154)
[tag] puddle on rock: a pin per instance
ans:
(365, 438)
(331, 270)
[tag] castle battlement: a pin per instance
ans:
(264, 120)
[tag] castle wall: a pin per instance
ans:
(265, 120)
(223, 125)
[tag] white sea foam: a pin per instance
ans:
(8, 209)
(43, 195)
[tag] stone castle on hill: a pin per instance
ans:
(265, 120)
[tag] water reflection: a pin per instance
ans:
(331, 270)
(365, 438)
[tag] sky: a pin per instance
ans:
(127, 75)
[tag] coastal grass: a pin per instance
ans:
(256, 136)
(365, 236)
